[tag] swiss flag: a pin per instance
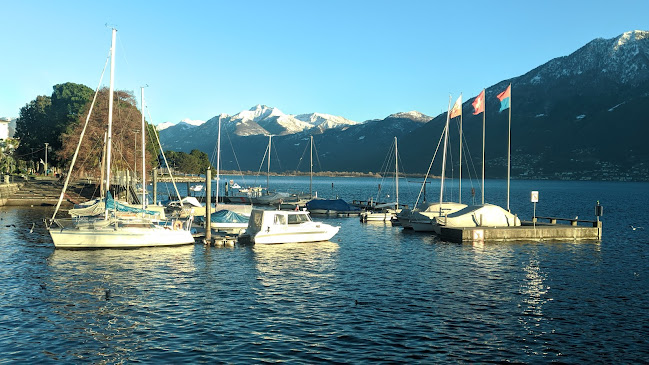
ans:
(478, 103)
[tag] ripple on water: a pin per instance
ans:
(375, 293)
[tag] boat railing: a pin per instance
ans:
(573, 221)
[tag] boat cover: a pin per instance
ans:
(225, 216)
(486, 215)
(110, 204)
(330, 204)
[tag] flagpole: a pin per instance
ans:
(460, 187)
(484, 111)
(441, 185)
(509, 145)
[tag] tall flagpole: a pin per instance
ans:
(460, 187)
(484, 111)
(441, 185)
(509, 145)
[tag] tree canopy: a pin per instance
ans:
(126, 137)
(195, 162)
(46, 118)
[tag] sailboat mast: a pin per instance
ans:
(311, 171)
(441, 185)
(396, 170)
(110, 109)
(268, 172)
(218, 165)
(143, 153)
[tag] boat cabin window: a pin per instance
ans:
(297, 218)
(280, 219)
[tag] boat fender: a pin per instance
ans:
(178, 225)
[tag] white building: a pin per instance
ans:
(4, 129)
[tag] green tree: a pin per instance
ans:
(46, 119)
(33, 127)
(68, 103)
(196, 162)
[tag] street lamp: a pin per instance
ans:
(135, 131)
(46, 144)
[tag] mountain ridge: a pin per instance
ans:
(580, 116)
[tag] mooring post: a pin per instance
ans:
(208, 205)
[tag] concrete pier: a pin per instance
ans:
(528, 231)
(43, 192)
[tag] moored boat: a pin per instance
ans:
(485, 215)
(280, 226)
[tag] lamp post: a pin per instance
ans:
(46, 144)
(135, 131)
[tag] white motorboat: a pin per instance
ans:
(280, 226)
(381, 213)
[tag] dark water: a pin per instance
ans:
(374, 293)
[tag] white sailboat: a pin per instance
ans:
(423, 221)
(388, 211)
(270, 198)
(483, 215)
(110, 229)
(230, 218)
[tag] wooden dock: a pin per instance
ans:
(528, 231)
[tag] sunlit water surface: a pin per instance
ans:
(374, 293)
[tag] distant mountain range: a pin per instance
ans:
(581, 116)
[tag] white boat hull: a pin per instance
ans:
(312, 234)
(377, 216)
(109, 237)
(236, 228)
(273, 227)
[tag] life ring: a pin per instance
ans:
(178, 225)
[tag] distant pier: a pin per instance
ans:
(529, 231)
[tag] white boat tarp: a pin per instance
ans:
(487, 215)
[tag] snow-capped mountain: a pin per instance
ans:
(580, 116)
(185, 123)
(624, 59)
(264, 120)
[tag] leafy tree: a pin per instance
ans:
(46, 119)
(68, 102)
(33, 126)
(196, 162)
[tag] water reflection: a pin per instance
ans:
(280, 263)
(101, 299)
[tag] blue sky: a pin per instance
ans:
(357, 59)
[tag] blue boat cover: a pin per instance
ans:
(225, 216)
(330, 204)
(111, 204)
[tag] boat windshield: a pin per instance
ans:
(298, 218)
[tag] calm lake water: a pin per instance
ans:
(375, 293)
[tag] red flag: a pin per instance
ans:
(478, 103)
(456, 111)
